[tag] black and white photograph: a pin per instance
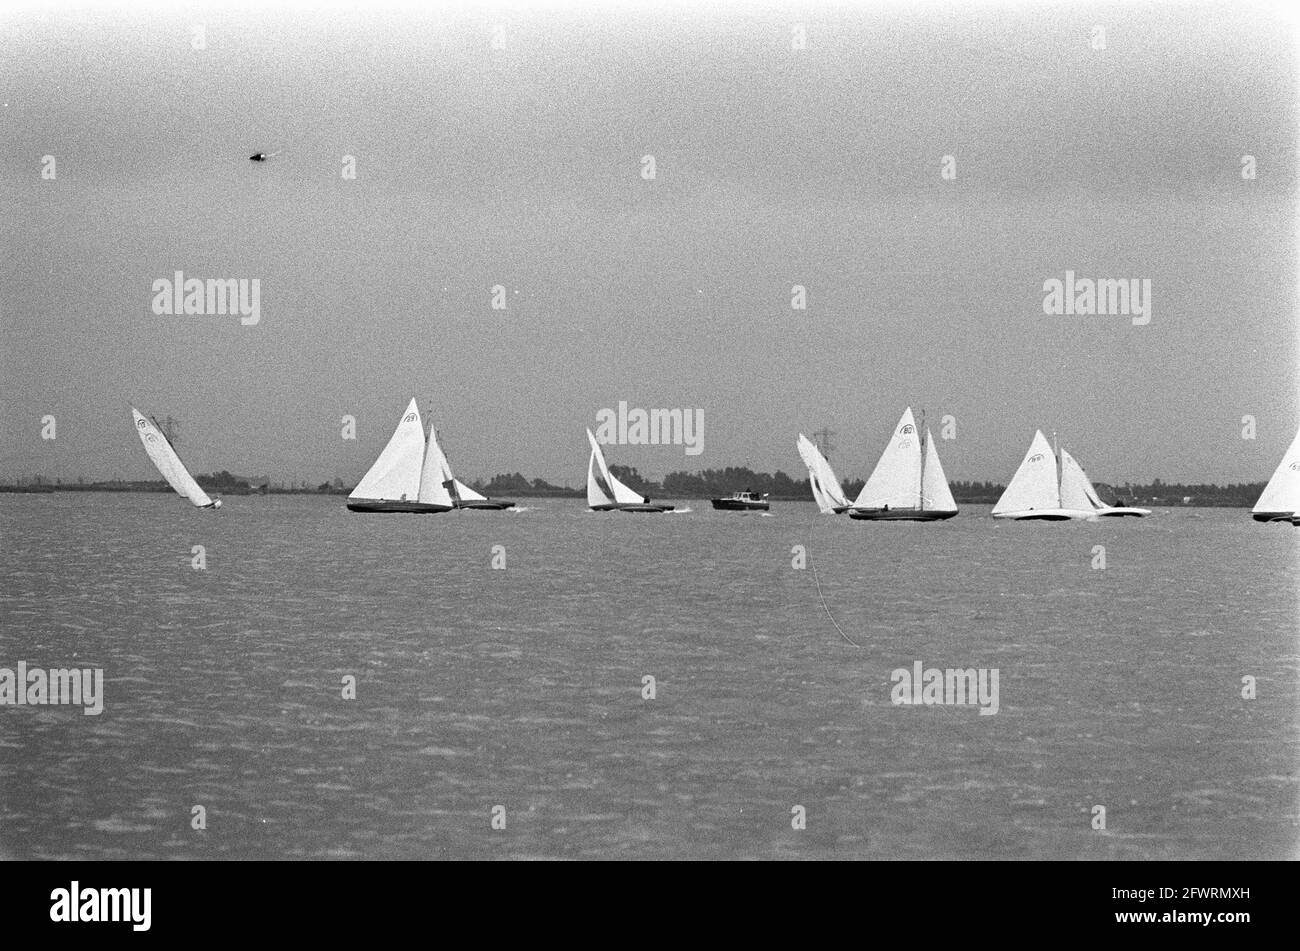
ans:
(650, 431)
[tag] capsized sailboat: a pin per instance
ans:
(908, 483)
(606, 494)
(1038, 492)
(402, 478)
(826, 489)
(163, 455)
(1280, 500)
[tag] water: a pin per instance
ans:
(523, 687)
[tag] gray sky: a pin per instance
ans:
(521, 166)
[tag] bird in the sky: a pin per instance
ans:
(263, 156)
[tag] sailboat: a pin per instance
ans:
(1280, 500)
(908, 483)
(462, 496)
(825, 487)
(163, 455)
(1077, 491)
(606, 494)
(1037, 491)
(412, 475)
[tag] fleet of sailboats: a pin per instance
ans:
(907, 483)
(606, 494)
(412, 475)
(1280, 500)
(164, 456)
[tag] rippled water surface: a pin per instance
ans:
(523, 687)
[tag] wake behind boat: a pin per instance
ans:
(606, 494)
(825, 486)
(908, 483)
(1280, 500)
(168, 462)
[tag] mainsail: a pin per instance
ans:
(437, 467)
(1034, 486)
(1282, 494)
(169, 464)
(896, 480)
(395, 476)
(935, 493)
(825, 486)
(1077, 491)
(599, 492)
(602, 487)
(435, 475)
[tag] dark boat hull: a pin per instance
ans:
(634, 507)
(735, 505)
(901, 515)
(487, 504)
(379, 505)
(1123, 511)
(1274, 516)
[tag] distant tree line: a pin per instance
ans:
(1244, 494)
(711, 483)
(515, 483)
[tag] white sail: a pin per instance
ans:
(896, 480)
(825, 486)
(935, 493)
(622, 494)
(599, 494)
(466, 494)
(806, 451)
(168, 463)
(1282, 494)
(1093, 497)
(1076, 491)
(434, 474)
(1034, 485)
(395, 476)
(437, 466)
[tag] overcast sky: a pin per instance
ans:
(521, 166)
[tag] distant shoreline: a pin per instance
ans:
(45, 488)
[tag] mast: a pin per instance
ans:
(920, 487)
(1056, 462)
